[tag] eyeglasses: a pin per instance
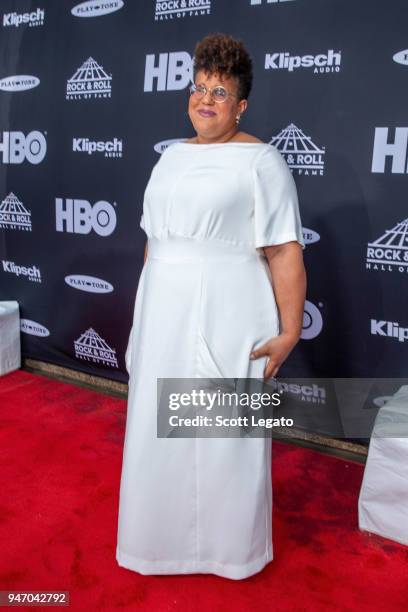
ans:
(218, 93)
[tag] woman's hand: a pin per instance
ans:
(277, 349)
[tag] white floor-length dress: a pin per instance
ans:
(204, 301)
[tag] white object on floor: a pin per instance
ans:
(383, 500)
(10, 347)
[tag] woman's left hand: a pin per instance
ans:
(277, 349)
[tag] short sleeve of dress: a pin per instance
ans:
(276, 207)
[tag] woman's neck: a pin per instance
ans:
(225, 138)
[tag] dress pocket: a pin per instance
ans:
(208, 364)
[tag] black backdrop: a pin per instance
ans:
(91, 93)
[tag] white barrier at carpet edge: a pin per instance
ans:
(10, 342)
(383, 500)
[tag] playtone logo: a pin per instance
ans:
(382, 399)
(35, 18)
(27, 326)
(33, 273)
(310, 236)
(161, 146)
(168, 9)
(110, 148)
(96, 8)
(91, 284)
(389, 329)
(321, 63)
(19, 82)
(254, 2)
(396, 150)
(16, 147)
(80, 217)
(401, 57)
(173, 71)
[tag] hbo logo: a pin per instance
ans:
(312, 321)
(80, 217)
(172, 71)
(16, 147)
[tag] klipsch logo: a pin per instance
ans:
(313, 394)
(389, 252)
(96, 8)
(109, 148)
(17, 147)
(171, 9)
(299, 151)
(89, 81)
(80, 217)
(91, 284)
(13, 214)
(33, 328)
(396, 151)
(91, 347)
(172, 71)
(391, 329)
(32, 273)
(35, 18)
(19, 82)
(321, 63)
(312, 321)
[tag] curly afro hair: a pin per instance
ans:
(224, 55)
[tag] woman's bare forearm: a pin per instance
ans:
(289, 285)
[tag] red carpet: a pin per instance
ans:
(61, 451)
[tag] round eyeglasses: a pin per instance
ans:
(218, 93)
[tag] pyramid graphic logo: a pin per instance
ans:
(389, 252)
(300, 153)
(181, 8)
(91, 347)
(13, 215)
(89, 81)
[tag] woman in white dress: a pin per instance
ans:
(221, 294)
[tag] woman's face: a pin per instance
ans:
(214, 120)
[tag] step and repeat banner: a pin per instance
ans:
(91, 93)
